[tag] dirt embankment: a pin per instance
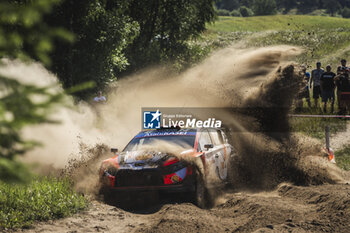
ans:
(287, 209)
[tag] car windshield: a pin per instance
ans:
(186, 141)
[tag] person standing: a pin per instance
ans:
(305, 92)
(315, 82)
(343, 88)
(342, 71)
(327, 88)
(100, 98)
(307, 77)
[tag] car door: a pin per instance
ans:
(220, 153)
(204, 139)
(229, 149)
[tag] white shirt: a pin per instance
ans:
(316, 75)
(100, 99)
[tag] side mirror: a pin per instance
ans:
(208, 146)
(114, 150)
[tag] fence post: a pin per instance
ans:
(327, 137)
(330, 152)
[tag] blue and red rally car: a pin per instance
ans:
(142, 166)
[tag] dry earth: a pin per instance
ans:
(339, 140)
(289, 208)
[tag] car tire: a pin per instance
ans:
(201, 194)
(105, 192)
(234, 177)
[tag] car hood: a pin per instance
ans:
(142, 158)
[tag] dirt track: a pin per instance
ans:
(287, 209)
(268, 159)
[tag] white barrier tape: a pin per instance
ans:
(319, 116)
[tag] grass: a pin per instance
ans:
(323, 38)
(325, 45)
(315, 127)
(342, 157)
(326, 39)
(277, 23)
(40, 200)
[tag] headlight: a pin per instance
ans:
(175, 177)
(173, 165)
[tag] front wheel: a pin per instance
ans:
(201, 194)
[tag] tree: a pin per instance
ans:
(332, 6)
(344, 3)
(247, 3)
(117, 35)
(308, 5)
(103, 31)
(25, 36)
(264, 7)
(165, 26)
(229, 4)
(245, 11)
(346, 12)
(286, 4)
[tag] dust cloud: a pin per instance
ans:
(231, 77)
(76, 125)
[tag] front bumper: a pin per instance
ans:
(175, 188)
(148, 180)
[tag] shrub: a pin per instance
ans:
(346, 12)
(223, 12)
(264, 7)
(245, 11)
(13, 171)
(235, 13)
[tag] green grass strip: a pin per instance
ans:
(41, 200)
(342, 157)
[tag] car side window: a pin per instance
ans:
(216, 137)
(224, 137)
(203, 140)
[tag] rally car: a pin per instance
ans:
(203, 162)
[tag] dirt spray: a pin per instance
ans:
(232, 77)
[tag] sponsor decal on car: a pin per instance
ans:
(164, 133)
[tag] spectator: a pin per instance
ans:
(327, 88)
(343, 88)
(342, 67)
(315, 82)
(100, 98)
(342, 70)
(305, 93)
